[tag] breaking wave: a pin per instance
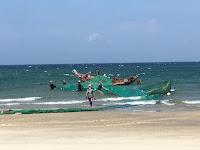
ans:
(153, 102)
(59, 102)
(20, 99)
(166, 102)
(120, 98)
(192, 102)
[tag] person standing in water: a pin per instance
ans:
(52, 86)
(80, 86)
(64, 83)
(97, 71)
(90, 94)
(100, 87)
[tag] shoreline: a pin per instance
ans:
(101, 129)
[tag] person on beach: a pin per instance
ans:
(80, 86)
(52, 86)
(64, 83)
(100, 87)
(90, 94)
(97, 71)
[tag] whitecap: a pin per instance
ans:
(20, 99)
(120, 98)
(59, 102)
(68, 75)
(153, 102)
(166, 102)
(192, 102)
(9, 104)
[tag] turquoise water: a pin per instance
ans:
(27, 86)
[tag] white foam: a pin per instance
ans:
(59, 102)
(153, 102)
(166, 102)
(172, 90)
(120, 98)
(68, 74)
(9, 104)
(20, 99)
(192, 102)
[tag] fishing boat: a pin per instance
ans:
(124, 81)
(84, 77)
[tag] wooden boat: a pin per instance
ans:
(84, 77)
(125, 81)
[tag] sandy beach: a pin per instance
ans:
(101, 130)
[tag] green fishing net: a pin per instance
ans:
(158, 88)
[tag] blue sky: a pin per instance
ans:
(99, 31)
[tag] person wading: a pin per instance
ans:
(52, 86)
(100, 87)
(80, 86)
(90, 94)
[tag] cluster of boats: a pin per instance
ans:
(116, 81)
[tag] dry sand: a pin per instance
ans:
(101, 130)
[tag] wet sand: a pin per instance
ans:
(101, 130)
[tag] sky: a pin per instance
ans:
(99, 31)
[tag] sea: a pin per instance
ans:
(28, 86)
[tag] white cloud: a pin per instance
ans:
(94, 36)
(138, 25)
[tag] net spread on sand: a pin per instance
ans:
(36, 111)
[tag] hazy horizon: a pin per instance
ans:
(104, 63)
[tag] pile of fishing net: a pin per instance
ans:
(158, 88)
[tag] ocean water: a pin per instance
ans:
(27, 86)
